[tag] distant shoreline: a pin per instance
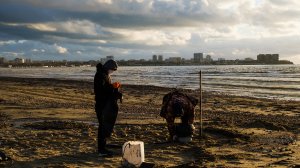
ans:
(138, 63)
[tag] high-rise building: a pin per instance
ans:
(198, 57)
(160, 58)
(267, 58)
(28, 60)
(208, 58)
(20, 60)
(154, 58)
(2, 60)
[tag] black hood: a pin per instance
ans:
(110, 65)
(99, 67)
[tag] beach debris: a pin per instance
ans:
(3, 157)
(133, 154)
(3, 120)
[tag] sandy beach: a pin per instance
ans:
(52, 123)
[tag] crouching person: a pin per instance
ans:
(176, 104)
(106, 106)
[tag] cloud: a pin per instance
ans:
(7, 42)
(26, 12)
(38, 50)
(60, 49)
(117, 13)
(42, 27)
(241, 51)
(73, 26)
(13, 54)
(154, 37)
(138, 28)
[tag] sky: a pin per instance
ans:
(137, 29)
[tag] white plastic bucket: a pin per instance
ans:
(133, 153)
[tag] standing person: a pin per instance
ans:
(106, 106)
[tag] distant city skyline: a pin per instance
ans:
(139, 29)
(198, 59)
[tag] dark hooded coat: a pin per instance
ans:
(106, 97)
(176, 104)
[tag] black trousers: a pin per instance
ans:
(101, 139)
(106, 115)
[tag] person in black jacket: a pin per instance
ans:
(106, 105)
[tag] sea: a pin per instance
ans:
(262, 81)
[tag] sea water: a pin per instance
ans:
(267, 81)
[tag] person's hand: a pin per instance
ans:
(116, 85)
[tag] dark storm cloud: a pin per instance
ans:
(24, 13)
(24, 32)
(159, 14)
(127, 27)
(129, 15)
(21, 32)
(148, 21)
(132, 16)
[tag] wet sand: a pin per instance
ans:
(52, 123)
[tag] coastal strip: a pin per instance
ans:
(51, 122)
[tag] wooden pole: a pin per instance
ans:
(200, 102)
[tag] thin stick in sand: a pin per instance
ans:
(200, 102)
